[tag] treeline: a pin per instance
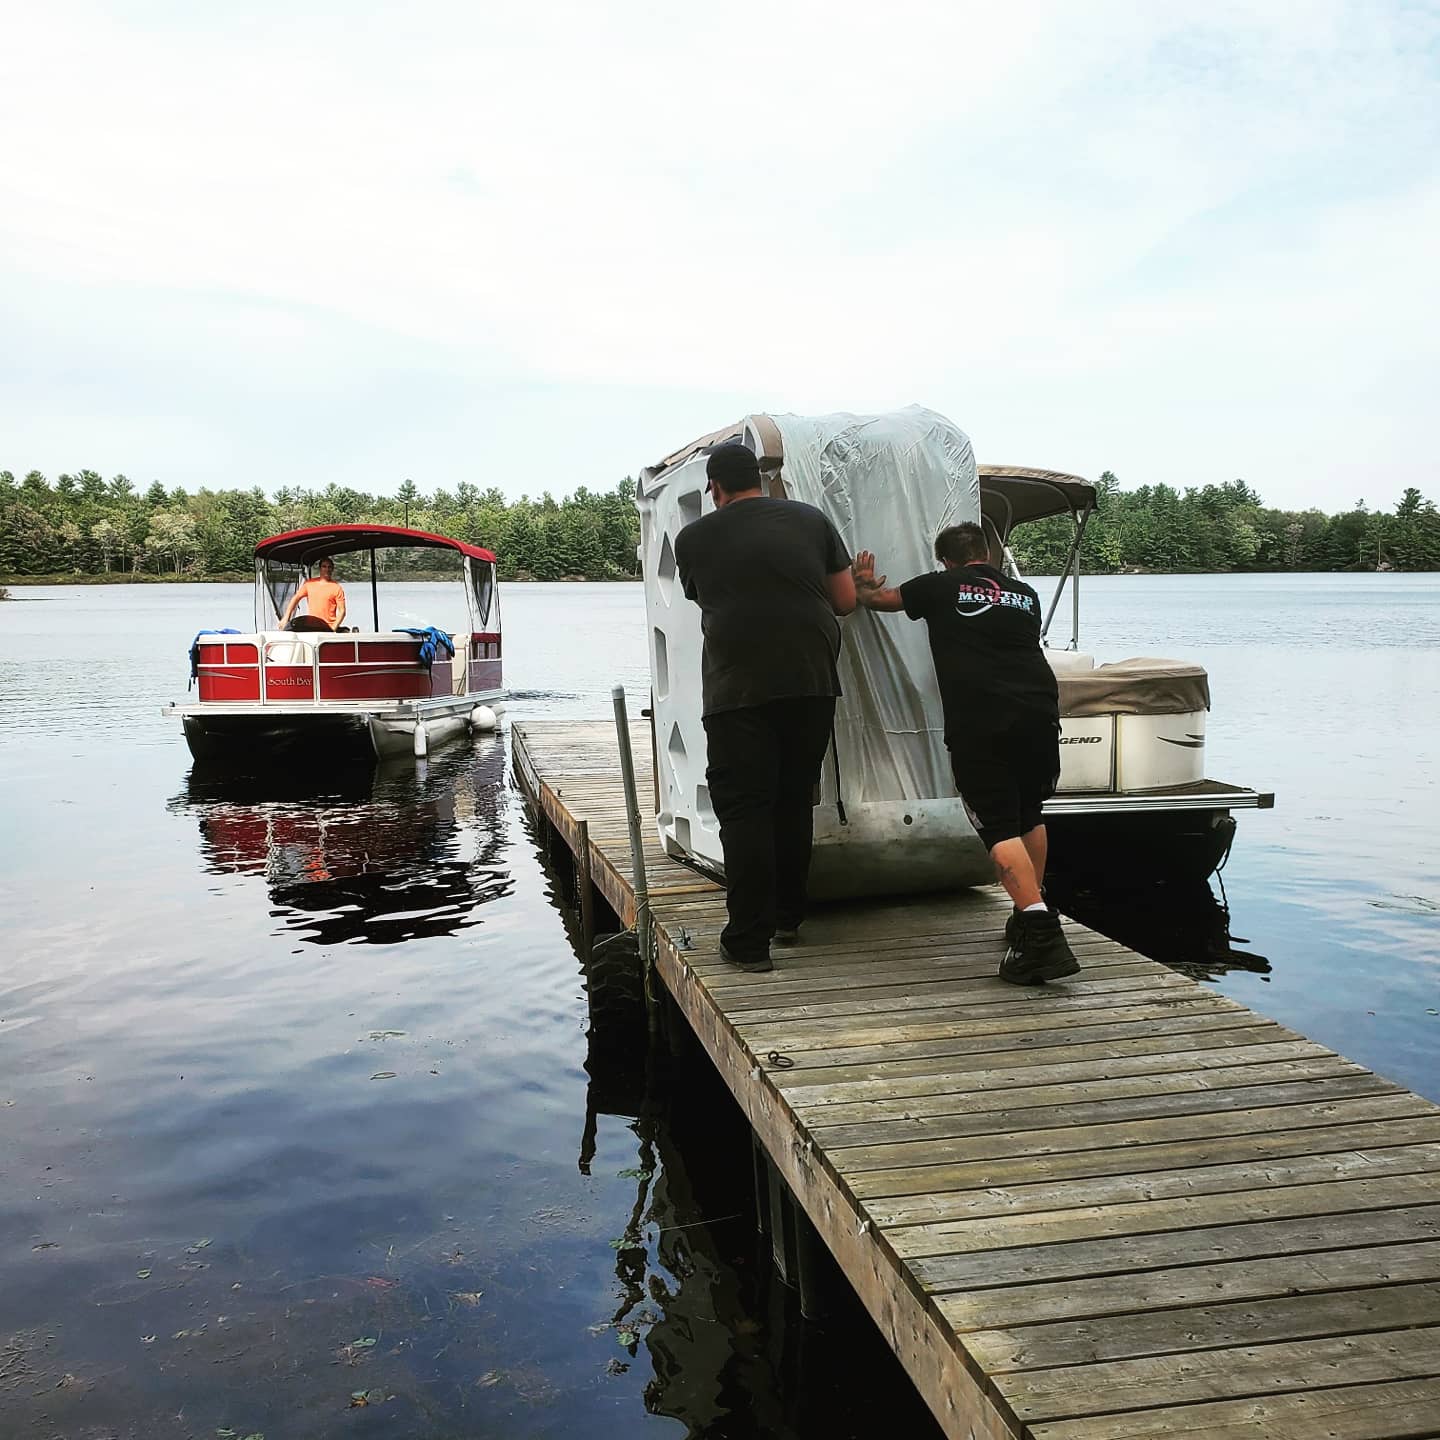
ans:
(1227, 527)
(84, 524)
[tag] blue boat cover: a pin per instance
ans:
(431, 641)
(195, 650)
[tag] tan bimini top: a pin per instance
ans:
(1135, 687)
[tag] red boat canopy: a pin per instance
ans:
(303, 547)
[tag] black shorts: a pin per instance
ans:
(1006, 777)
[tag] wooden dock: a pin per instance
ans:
(1119, 1207)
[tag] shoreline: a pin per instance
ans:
(236, 577)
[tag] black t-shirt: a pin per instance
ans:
(985, 638)
(758, 571)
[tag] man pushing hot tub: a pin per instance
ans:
(1002, 724)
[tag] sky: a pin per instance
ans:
(540, 245)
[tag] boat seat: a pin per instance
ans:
(1143, 686)
(312, 637)
(460, 666)
(290, 647)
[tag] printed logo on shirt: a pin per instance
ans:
(977, 596)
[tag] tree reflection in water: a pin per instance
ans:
(362, 854)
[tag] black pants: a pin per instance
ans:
(764, 762)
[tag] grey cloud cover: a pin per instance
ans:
(537, 246)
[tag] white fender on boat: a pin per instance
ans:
(483, 718)
(422, 740)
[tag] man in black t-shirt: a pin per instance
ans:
(770, 576)
(1002, 724)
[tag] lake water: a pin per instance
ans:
(294, 1105)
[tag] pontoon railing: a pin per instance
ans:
(1070, 572)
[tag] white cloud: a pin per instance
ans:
(1185, 242)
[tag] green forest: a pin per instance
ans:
(83, 526)
(1228, 527)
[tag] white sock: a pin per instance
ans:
(1038, 905)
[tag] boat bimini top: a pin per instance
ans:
(283, 561)
(1012, 495)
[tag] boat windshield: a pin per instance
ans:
(280, 579)
(482, 580)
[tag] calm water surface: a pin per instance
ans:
(285, 1073)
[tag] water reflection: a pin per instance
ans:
(361, 854)
(1184, 924)
(695, 1298)
(212, 1203)
(695, 1293)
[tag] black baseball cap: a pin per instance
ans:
(734, 467)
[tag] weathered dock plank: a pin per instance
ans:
(1116, 1208)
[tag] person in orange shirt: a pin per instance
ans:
(324, 599)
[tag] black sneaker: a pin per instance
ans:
(787, 935)
(752, 964)
(1039, 951)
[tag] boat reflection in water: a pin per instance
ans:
(1182, 923)
(364, 854)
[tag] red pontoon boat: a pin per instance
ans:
(387, 691)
